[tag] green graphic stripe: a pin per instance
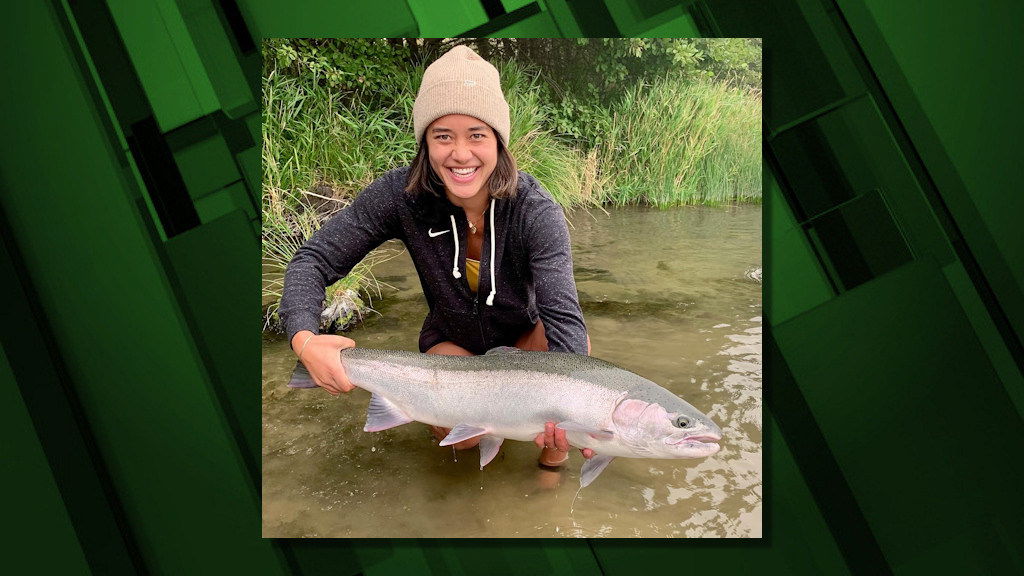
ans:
(174, 203)
(927, 184)
(63, 432)
(818, 465)
(96, 271)
(844, 517)
(503, 21)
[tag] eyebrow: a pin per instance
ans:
(480, 128)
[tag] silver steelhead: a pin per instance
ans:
(510, 394)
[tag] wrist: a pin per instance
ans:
(300, 341)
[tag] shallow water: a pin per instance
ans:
(664, 294)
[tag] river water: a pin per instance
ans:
(666, 294)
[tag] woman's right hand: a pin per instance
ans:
(321, 357)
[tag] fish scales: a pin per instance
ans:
(511, 394)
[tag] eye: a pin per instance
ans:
(681, 422)
(442, 137)
(478, 136)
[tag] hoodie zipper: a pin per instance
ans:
(462, 229)
(480, 274)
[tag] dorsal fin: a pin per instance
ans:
(503, 350)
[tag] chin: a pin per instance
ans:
(464, 191)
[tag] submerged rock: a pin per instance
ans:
(344, 310)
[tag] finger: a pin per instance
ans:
(339, 341)
(561, 442)
(340, 380)
(549, 434)
(587, 453)
(438, 432)
(328, 386)
(341, 377)
(539, 440)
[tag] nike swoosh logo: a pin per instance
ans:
(436, 234)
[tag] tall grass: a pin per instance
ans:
(352, 295)
(678, 142)
(560, 168)
(670, 143)
(321, 147)
(318, 141)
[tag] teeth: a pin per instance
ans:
(463, 171)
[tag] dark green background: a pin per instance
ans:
(129, 190)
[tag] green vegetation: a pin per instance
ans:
(661, 122)
(318, 143)
(683, 143)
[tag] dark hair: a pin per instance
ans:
(501, 184)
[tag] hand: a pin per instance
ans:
(321, 357)
(556, 446)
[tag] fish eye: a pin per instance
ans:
(681, 422)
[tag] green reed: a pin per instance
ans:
(677, 142)
(560, 168)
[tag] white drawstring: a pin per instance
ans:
(455, 236)
(490, 297)
(455, 259)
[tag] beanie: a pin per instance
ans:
(461, 82)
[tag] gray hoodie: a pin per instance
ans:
(529, 276)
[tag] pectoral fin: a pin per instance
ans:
(592, 468)
(382, 415)
(489, 449)
(461, 432)
(596, 433)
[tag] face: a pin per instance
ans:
(654, 432)
(463, 152)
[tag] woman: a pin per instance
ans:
(489, 244)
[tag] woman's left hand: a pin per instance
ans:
(556, 446)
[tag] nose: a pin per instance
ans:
(461, 152)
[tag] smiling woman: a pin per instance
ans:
(464, 152)
(472, 223)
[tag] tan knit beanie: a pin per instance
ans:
(461, 82)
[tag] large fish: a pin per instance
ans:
(509, 393)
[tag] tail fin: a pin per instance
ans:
(301, 377)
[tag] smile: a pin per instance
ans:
(462, 174)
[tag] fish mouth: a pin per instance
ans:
(703, 438)
(705, 441)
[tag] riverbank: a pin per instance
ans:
(676, 139)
